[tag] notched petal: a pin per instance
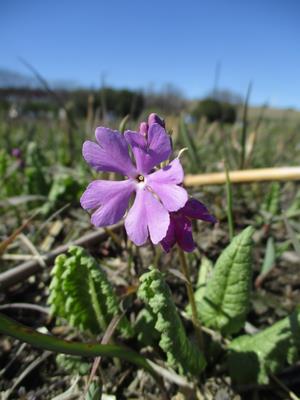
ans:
(110, 153)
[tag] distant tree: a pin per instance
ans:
(214, 110)
(168, 100)
(122, 101)
(226, 96)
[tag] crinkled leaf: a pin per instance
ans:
(181, 353)
(145, 327)
(73, 365)
(226, 301)
(81, 293)
(253, 358)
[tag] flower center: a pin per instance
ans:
(140, 178)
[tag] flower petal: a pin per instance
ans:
(154, 118)
(136, 220)
(111, 154)
(173, 197)
(147, 213)
(111, 199)
(143, 128)
(183, 233)
(170, 239)
(159, 143)
(151, 150)
(100, 191)
(172, 173)
(158, 218)
(164, 184)
(195, 209)
(138, 143)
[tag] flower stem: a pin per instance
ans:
(190, 292)
(229, 204)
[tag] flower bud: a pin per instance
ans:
(144, 128)
(155, 119)
(16, 152)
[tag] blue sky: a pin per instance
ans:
(139, 44)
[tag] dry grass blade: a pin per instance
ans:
(29, 268)
(291, 394)
(33, 250)
(105, 340)
(17, 200)
(26, 372)
(13, 359)
(12, 237)
(27, 306)
(171, 376)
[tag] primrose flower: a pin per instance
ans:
(16, 152)
(152, 119)
(180, 228)
(157, 191)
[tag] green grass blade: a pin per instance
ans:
(46, 342)
(188, 141)
(245, 126)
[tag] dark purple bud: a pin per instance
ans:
(155, 119)
(16, 152)
(144, 128)
(195, 209)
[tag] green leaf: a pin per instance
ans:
(270, 256)
(294, 208)
(145, 327)
(35, 171)
(181, 353)
(271, 205)
(64, 189)
(253, 358)
(81, 293)
(94, 391)
(204, 274)
(268, 263)
(226, 300)
(73, 365)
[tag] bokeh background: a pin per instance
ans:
(161, 47)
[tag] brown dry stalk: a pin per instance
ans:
(245, 176)
(12, 237)
(25, 270)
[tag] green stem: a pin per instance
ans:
(229, 204)
(96, 306)
(190, 292)
(46, 342)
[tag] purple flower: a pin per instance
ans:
(180, 228)
(16, 152)
(157, 191)
(152, 119)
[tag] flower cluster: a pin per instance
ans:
(161, 208)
